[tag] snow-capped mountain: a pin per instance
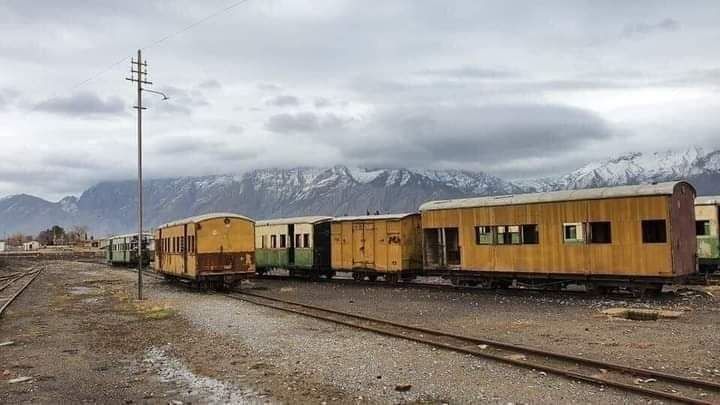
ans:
(634, 168)
(110, 207)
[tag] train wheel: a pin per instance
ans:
(392, 278)
(357, 276)
(372, 277)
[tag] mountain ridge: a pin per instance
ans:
(110, 206)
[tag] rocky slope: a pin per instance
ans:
(110, 207)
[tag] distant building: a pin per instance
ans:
(3, 246)
(33, 245)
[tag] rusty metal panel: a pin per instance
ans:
(226, 262)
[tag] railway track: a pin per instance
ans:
(640, 381)
(13, 284)
(444, 287)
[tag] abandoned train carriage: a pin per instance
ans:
(301, 245)
(210, 250)
(121, 250)
(707, 229)
(368, 246)
(640, 235)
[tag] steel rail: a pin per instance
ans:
(10, 282)
(436, 286)
(13, 279)
(594, 379)
(17, 293)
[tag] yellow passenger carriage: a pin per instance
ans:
(209, 250)
(604, 238)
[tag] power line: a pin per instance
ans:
(159, 41)
(196, 23)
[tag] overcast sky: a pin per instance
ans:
(516, 89)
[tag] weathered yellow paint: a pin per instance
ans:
(220, 238)
(626, 255)
(384, 243)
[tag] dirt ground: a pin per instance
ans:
(81, 337)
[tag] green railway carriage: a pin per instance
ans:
(121, 250)
(301, 245)
(707, 230)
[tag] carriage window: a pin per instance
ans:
(500, 232)
(306, 240)
(530, 235)
(514, 232)
(262, 241)
(573, 232)
(298, 241)
(653, 231)
(483, 235)
(508, 235)
(273, 241)
(191, 248)
(283, 241)
(702, 228)
(599, 232)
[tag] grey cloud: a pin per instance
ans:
(303, 122)
(469, 72)
(211, 84)
(84, 103)
(181, 100)
(322, 102)
(479, 136)
(283, 101)
(200, 148)
(235, 129)
(268, 87)
(666, 25)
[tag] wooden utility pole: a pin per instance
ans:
(138, 74)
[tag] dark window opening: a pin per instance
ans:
(573, 232)
(306, 240)
(283, 241)
(433, 250)
(530, 234)
(452, 246)
(273, 241)
(298, 241)
(702, 228)
(654, 231)
(600, 232)
(262, 242)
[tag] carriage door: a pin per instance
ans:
(363, 245)
(369, 244)
(291, 244)
(451, 242)
(358, 248)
